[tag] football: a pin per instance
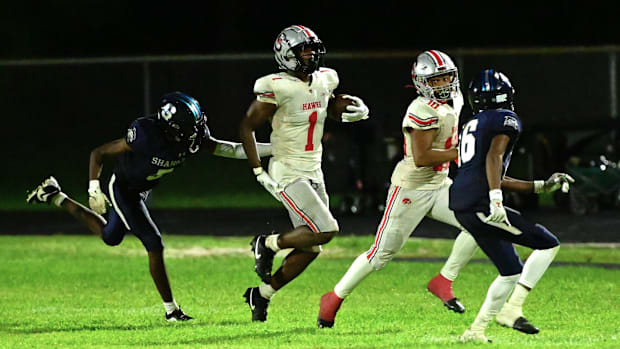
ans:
(337, 105)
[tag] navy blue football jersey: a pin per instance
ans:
(152, 155)
(470, 190)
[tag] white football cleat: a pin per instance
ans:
(44, 191)
(473, 336)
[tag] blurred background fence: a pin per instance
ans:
(55, 111)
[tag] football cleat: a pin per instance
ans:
(511, 316)
(455, 305)
(44, 191)
(442, 289)
(263, 258)
(330, 303)
(258, 304)
(178, 315)
(520, 324)
(473, 336)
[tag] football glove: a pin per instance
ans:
(554, 183)
(273, 187)
(357, 111)
(97, 200)
(498, 212)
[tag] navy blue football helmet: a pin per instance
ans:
(183, 120)
(490, 89)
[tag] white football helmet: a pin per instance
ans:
(290, 42)
(430, 64)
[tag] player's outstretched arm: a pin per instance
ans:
(517, 185)
(424, 154)
(234, 150)
(96, 198)
(555, 182)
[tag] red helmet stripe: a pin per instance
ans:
(437, 57)
(305, 30)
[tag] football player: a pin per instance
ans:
(295, 102)
(154, 146)
(420, 180)
(485, 148)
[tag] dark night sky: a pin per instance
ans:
(111, 28)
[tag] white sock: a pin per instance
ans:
(496, 297)
(171, 306)
(463, 249)
(266, 291)
(356, 273)
(58, 199)
(536, 265)
(518, 296)
(272, 242)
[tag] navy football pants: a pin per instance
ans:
(496, 241)
(130, 215)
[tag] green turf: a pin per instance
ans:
(74, 292)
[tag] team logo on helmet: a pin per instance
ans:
(167, 110)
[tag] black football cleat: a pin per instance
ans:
(258, 304)
(455, 305)
(178, 315)
(522, 325)
(44, 191)
(263, 258)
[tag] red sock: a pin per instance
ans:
(441, 287)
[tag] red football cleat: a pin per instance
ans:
(330, 303)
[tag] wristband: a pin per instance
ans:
(257, 170)
(538, 186)
(496, 194)
(93, 185)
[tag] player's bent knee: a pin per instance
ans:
(111, 241)
(379, 261)
(547, 239)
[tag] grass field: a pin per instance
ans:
(75, 292)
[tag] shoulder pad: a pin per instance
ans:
(263, 88)
(331, 76)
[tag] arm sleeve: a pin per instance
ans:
(264, 91)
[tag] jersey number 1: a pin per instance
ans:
(312, 119)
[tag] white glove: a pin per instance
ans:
(97, 200)
(498, 212)
(554, 183)
(358, 111)
(273, 187)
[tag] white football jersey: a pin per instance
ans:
(426, 114)
(298, 122)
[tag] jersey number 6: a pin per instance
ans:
(467, 147)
